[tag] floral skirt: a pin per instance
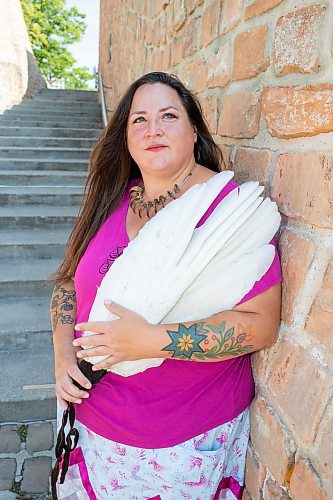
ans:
(210, 466)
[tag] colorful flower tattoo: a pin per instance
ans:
(226, 343)
(204, 341)
(185, 341)
(62, 306)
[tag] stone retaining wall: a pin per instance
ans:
(19, 74)
(263, 72)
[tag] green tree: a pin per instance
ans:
(52, 28)
(78, 78)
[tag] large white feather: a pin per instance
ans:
(169, 269)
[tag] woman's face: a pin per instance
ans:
(160, 136)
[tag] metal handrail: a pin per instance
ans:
(104, 110)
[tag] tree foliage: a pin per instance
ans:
(52, 28)
(78, 78)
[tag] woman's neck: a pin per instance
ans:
(157, 185)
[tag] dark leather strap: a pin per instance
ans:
(66, 444)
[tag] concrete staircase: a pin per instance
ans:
(44, 148)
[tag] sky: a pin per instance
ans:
(86, 51)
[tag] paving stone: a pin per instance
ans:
(40, 437)
(7, 473)
(9, 439)
(36, 472)
(7, 495)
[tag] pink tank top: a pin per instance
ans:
(177, 400)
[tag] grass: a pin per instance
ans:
(22, 431)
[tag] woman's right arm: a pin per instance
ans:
(63, 312)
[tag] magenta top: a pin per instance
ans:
(168, 404)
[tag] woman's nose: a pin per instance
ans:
(154, 129)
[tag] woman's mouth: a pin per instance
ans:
(155, 148)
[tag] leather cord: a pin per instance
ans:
(66, 444)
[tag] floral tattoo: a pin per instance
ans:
(202, 341)
(62, 306)
(185, 341)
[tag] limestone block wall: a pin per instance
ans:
(19, 73)
(263, 70)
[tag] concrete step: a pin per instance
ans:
(44, 153)
(27, 131)
(71, 95)
(26, 278)
(58, 104)
(53, 195)
(44, 142)
(41, 178)
(33, 243)
(37, 216)
(50, 118)
(52, 113)
(39, 164)
(48, 123)
(25, 392)
(31, 329)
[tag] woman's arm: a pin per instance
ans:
(248, 327)
(63, 311)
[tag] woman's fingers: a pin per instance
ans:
(66, 396)
(91, 340)
(106, 363)
(76, 374)
(68, 391)
(101, 350)
(93, 326)
(103, 326)
(116, 308)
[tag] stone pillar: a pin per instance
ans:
(19, 74)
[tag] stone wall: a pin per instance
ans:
(19, 73)
(263, 71)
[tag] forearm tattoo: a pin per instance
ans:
(63, 306)
(202, 341)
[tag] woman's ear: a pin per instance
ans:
(195, 135)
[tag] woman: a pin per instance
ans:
(179, 429)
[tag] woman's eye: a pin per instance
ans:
(141, 119)
(169, 115)
(138, 120)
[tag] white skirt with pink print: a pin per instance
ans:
(210, 466)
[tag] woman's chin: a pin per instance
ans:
(158, 165)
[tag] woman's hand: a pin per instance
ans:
(125, 339)
(66, 369)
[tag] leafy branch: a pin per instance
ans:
(227, 343)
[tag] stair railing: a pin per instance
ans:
(101, 90)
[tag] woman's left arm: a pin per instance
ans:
(248, 327)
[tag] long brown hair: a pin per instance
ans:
(111, 167)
